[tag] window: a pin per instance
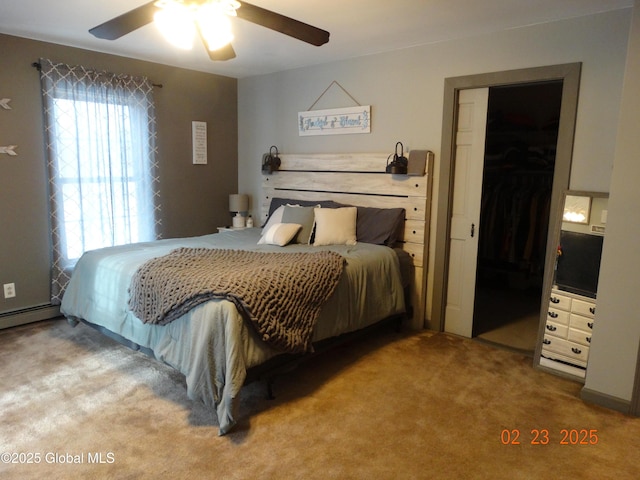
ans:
(100, 133)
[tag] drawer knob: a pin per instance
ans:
(588, 339)
(575, 350)
(551, 328)
(590, 325)
(592, 310)
(555, 300)
(553, 314)
(546, 342)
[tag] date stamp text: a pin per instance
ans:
(545, 436)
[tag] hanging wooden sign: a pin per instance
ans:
(199, 142)
(335, 121)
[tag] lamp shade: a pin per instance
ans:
(238, 202)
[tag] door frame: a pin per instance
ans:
(570, 75)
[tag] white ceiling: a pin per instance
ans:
(357, 27)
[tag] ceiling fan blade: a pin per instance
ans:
(280, 23)
(125, 23)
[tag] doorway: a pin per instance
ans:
(518, 168)
(566, 79)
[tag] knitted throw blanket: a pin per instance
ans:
(280, 293)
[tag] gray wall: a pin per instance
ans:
(612, 361)
(405, 89)
(194, 197)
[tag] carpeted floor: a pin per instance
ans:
(521, 334)
(391, 406)
(510, 321)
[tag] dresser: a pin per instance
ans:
(567, 333)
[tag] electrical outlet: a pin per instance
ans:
(9, 290)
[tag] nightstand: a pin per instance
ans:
(229, 229)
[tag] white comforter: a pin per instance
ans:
(212, 345)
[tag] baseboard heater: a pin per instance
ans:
(29, 315)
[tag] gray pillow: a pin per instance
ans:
(302, 216)
(277, 202)
(380, 226)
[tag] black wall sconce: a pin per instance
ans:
(270, 161)
(399, 164)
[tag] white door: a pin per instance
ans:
(465, 217)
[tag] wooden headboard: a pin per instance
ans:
(360, 179)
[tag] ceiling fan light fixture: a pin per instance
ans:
(175, 22)
(214, 24)
(178, 20)
(229, 7)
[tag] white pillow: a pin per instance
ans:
(279, 234)
(276, 217)
(335, 226)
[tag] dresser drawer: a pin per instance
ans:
(559, 301)
(566, 348)
(581, 323)
(556, 329)
(558, 316)
(562, 363)
(579, 336)
(587, 309)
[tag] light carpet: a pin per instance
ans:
(521, 334)
(391, 405)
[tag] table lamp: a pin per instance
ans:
(240, 205)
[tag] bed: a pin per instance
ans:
(215, 343)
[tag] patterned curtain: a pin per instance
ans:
(101, 156)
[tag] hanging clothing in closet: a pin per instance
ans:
(513, 221)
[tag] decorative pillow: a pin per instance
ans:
(277, 202)
(279, 234)
(303, 216)
(274, 218)
(335, 226)
(380, 226)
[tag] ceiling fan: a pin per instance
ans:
(210, 20)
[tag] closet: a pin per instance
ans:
(519, 161)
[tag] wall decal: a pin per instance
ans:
(4, 103)
(9, 150)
